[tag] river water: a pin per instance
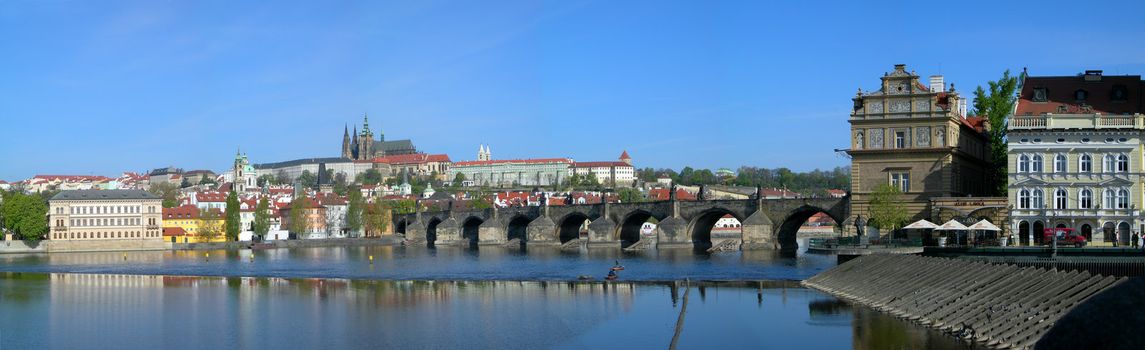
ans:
(335, 298)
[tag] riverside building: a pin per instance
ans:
(1075, 158)
(90, 215)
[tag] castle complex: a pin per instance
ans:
(363, 145)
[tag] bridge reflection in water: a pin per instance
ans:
(76, 311)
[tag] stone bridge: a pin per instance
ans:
(766, 223)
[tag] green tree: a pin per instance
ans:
(458, 179)
(167, 191)
(340, 186)
(26, 216)
(262, 217)
(186, 183)
(210, 224)
(282, 178)
(887, 209)
(354, 210)
(204, 180)
(370, 177)
(233, 223)
(630, 195)
(298, 216)
(307, 179)
(266, 179)
(996, 106)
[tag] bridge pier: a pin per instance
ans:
(758, 232)
(448, 233)
(542, 232)
(673, 234)
(491, 232)
(602, 233)
(415, 231)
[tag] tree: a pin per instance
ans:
(186, 183)
(307, 179)
(298, 216)
(354, 210)
(340, 185)
(630, 195)
(167, 191)
(996, 107)
(458, 179)
(887, 210)
(234, 223)
(262, 217)
(26, 216)
(370, 177)
(204, 180)
(210, 224)
(282, 178)
(266, 179)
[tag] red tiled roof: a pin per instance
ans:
(975, 122)
(332, 200)
(72, 177)
(182, 212)
(508, 161)
(174, 232)
(211, 196)
(1060, 93)
(624, 155)
(662, 194)
(600, 164)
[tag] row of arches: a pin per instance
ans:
(628, 231)
(1032, 231)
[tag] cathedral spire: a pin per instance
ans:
(365, 123)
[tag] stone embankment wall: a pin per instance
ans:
(992, 304)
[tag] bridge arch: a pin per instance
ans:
(628, 232)
(470, 229)
(700, 227)
(517, 228)
(568, 227)
(431, 231)
(400, 226)
(787, 233)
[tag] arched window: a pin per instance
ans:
(1085, 199)
(1038, 199)
(1086, 165)
(1107, 199)
(1059, 163)
(1036, 164)
(1123, 199)
(1023, 164)
(1024, 199)
(1107, 164)
(1122, 163)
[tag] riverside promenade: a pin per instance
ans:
(996, 305)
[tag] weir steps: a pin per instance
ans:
(994, 304)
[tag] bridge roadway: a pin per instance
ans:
(766, 223)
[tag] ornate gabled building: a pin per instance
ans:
(918, 138)
(363, 146)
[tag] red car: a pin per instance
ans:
(1065, 237)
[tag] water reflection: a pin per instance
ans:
(76, 311)
(420, 263)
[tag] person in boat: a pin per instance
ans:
(611, 274)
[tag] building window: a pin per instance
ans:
(1086, 163)
(900, 139)
(1122, 163)
(1080, 95)
(1038, 199)
(1123, 199)
(1119, 93)
(1085, 199)
(901, 180)
(1040, 94)
(1024, 199)
(1107, 164)
(1059, 163)
(1107, 199)
(1060, 199)
(1036, 164)
(1023, 164)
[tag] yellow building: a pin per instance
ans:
(186, 224)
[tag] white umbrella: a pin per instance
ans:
(984, 225)
(921, 224)
(952, 226)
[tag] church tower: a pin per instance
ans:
(245, 177)
(346, 153)
(354, 144)
(366, 140)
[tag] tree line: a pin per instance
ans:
(809, 182)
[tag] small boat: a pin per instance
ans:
(617, 268)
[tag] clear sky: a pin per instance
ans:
(101, 87)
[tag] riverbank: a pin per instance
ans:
(294, 243)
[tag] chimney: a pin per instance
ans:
(962, 107)
(1093, 75)
(937, 84)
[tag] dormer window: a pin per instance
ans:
(1040, 94)
(1062, 109)
(1119, 93)
(1080, 95)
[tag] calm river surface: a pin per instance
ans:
(414, 297)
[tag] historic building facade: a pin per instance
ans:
(511, 172)
(88, 215)
(614, 173)
(363, 146)
(918, 138)
(1075, 158)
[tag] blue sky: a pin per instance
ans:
(101, 87)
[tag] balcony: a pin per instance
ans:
(1076, 121)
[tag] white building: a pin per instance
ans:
(619, 173)
(511, 173)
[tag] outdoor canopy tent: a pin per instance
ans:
(981, 226)
(922, 225)
(959, 238)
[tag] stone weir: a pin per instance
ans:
(1001, 306)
